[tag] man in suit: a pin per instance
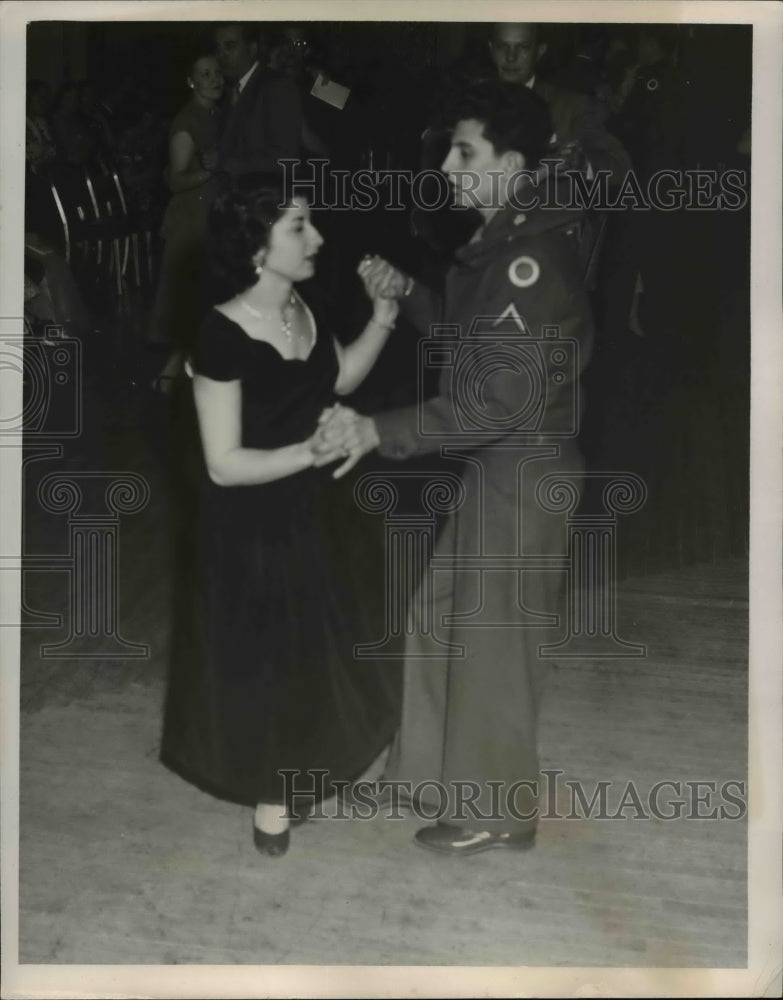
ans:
(264, 117)
(472, 716)
(515, 50)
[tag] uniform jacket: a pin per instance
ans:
(471, 714)
(263, 126)
(520, 280)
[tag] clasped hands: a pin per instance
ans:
(342, 433)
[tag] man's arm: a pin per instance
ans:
(422, 306)
(419, 304)
(503, 387)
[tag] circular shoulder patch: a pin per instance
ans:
(524, 272)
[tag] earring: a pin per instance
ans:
(259, 269)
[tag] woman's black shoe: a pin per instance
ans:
(273, 844)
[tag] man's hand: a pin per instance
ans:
(343, 433)
(381, 280)
(574, 155)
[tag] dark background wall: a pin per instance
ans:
(715, 58)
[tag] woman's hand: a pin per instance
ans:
(385, 310)
(343, 433)
(328, 443)
(381, 280)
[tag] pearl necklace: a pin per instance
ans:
(286, 322)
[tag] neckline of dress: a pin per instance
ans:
(313, 330)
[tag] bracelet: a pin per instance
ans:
(385, 327)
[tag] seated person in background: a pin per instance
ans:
(40, 215)
(74, 141)
(94, 117)
(40, 148)
(52, 296)
(263, 121)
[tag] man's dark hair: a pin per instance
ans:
(514, 117)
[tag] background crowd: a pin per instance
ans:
(670, 295)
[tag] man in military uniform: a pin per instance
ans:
(472, 717)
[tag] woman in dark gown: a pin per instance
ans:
(263, 675)
(180, 302)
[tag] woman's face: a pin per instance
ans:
(293, 244)
(206, 78)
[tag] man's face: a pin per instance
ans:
(475, 171)
(515, 51)
(234, 54)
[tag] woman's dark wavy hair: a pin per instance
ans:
(239, 224)
(513, 116)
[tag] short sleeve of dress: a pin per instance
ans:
(184, 121)
(218, 350)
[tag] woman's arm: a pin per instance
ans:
(357, 358)
(181, 149)
(219, 407)
(420, 305)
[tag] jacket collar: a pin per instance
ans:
(513, 223)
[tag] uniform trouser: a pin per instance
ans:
(469, 721)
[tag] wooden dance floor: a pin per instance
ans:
(121, 862)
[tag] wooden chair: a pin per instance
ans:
(139, 224)
(89, 223)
